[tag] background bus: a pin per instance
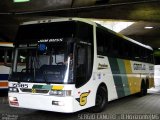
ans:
(104, 66)
(5, 62)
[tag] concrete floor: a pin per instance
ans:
(131, 105)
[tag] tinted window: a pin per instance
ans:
(36, 32)
(111, 45)
(6, 55)
(104, 41)
(84, 32)
(84, 53)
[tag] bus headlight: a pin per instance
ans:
(61, 93)
(13, 89)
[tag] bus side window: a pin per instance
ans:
(100, 41)
(81, 70)
(115, 46)
(6, 55)
(89, 62)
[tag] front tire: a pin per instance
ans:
(101, 100)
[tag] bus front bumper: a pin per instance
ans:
(42, 102)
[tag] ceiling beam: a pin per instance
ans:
(137, 11)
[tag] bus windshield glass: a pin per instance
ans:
(53, 52)
(42, 53)
(45, 63)
(43, 32)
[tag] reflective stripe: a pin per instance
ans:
(3, 84)
(56, 87)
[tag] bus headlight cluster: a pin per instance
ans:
(60, 92)
(13, 89)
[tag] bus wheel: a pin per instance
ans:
(101, 100)
(143, 91)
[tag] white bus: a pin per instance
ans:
(5, 62)
(70, 64)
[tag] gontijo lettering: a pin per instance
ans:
(137, 66)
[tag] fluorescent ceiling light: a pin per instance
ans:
(21, 1)
(148, 27)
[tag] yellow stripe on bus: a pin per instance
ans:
(134, 80)
(55, 87)
(151, 82)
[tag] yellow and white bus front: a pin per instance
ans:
(42, 77)
(48, 62)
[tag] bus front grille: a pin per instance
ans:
(34, 90)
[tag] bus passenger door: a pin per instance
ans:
(83, 66)
(80, 65)
(83, 71)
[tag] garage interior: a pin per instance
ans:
(145, 15)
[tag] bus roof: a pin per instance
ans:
(59, 20)
(6, 44)
(89, 22)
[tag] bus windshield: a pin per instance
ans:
(44, 63)
(44, 52)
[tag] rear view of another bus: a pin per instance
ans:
(5, 63)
